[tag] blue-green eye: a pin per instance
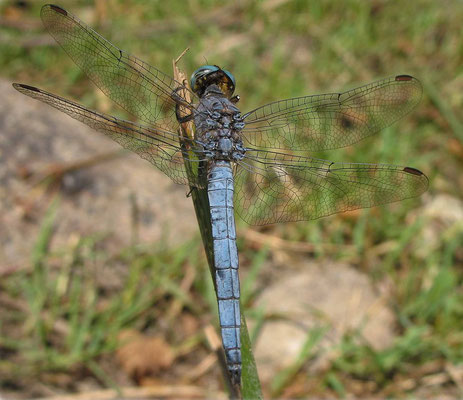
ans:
(230, 76)
(212, 74)
(201, 72)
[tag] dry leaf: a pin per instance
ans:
(141, 356)
(189, 324)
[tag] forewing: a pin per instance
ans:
(334, 120)
(136, 86)
(160, 147)
(273, 187)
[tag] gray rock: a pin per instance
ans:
(334, 295)
(34, 136)
(444, 214)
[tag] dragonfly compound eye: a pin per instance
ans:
(212, 74)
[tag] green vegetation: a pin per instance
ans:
(61, 323)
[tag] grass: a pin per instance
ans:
(62, 323)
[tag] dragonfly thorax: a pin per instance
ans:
(218, 123)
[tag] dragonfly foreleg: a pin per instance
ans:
(181, 119)
(181, 102)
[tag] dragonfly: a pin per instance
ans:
(257, 161)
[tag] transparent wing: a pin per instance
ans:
(136, 86)
(160, 147)
(334, 120)
(273, 187)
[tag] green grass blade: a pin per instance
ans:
(40, 249)
(251, 388)
(284, 377)
(201, 205)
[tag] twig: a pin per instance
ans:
(57, 171)
(185, 286)
(205, 365)
(181, 55)
(278, 243)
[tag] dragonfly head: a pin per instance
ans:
(212, 74)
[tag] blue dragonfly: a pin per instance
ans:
(257, 160)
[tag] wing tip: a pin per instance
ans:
(412, 81)
(55, 8)
(19, 86)
(413, 171)
(421, 176)
(404, 78)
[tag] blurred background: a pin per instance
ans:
(103, 279)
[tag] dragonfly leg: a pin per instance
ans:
(180, 101)
(181, 119)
